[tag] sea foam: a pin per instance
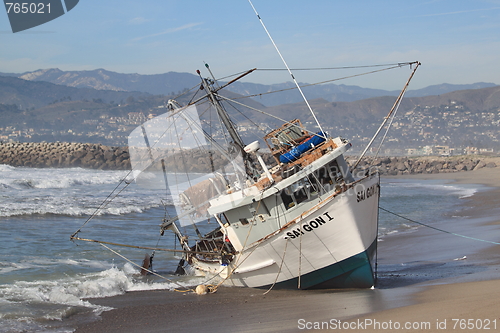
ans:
(73, 192)
(76, 291)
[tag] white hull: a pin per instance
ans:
(331, 246)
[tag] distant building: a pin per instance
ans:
(471, 150)
(486, 151)
(414, 152)
(441, 150)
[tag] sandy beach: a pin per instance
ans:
(428, 281)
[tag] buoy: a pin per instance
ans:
(201, 289)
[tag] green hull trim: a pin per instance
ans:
(353, 272)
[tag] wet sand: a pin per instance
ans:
(428, 280)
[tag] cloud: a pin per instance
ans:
(460, 12)
(138, 20)
(169, 31)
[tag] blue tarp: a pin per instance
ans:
(295, 152)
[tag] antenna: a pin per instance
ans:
(288, 68)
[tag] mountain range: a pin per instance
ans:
(32, 109)
(173, 83)
(34, 94)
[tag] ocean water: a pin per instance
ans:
(47, 281)
(424, 201)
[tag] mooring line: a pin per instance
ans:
(441, 230)
(146, 269)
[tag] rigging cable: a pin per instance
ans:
(438, 229)
(279, 271)
(289, 70)
(260, 128)
(327, 81)
(105, 202)
(399, 64)
(394, 107)
(300, 255)
(387, 129)
(188, 91)
(149, 271)
(265, 113)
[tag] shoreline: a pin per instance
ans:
(423, 277)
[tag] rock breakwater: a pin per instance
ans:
(397, 166)
(98, 156)
(64, 155)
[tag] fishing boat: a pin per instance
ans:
(284, 211)
(299, 220)
(305, 221)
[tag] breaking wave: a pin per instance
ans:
(24, 301)
(73, 192)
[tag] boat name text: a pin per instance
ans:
(309, 226)
(366, 193)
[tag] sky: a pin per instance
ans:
(457, 41)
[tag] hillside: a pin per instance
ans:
(101, 79)
(28, 95)
(457, 119)
(37, 111)
(42, 111)
(172, 83)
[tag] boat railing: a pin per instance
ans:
(283, 171)
(213, 249)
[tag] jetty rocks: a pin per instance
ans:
(397, 166)
(64, 155)
(99, 156)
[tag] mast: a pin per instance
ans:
(213, 97)
(222, 113)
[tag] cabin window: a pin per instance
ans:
(238, 215)
(314, 187)
(286, 197)
(319, 182)
(322, 175)
(335, 172)
(298, 192)
(326, 177)
(301, 190)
